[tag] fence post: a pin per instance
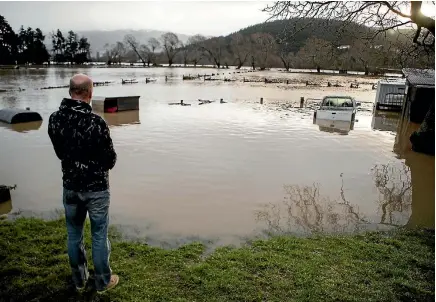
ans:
(302, 102)
(261, 101)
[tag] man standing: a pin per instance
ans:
(82, 142)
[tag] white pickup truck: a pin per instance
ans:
(337, 108)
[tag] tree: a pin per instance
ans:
(265, 45)
(171, 44)
(82, 54)
(403, 53)
(31, 48)
(146, 53)
(8, 43)
(185, 49)
(72, 46)
(381, 15)
(366, 53)
(196, 52)
(153, 44)
(131, 41)
(215, 49)
(241, 48)
(59, 46)
(317, 53)
(287, 59)
(115, 53)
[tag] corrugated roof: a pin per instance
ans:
(419, 76)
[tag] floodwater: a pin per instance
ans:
(224, 172)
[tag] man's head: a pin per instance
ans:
(81, 88)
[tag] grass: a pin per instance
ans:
(370, 267)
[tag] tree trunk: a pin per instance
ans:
(318, 69)
(170, 62)
(366, 70)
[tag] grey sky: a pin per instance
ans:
(207, 18)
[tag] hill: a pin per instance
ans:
(293, 33)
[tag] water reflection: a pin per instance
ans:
(5, 207)
(305, 210)
(406, 197)
(385, 121)
(332, 126)
(121, 118)
(22, 127)
(395, 188)
(422, 170)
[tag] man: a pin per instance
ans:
(82, 142)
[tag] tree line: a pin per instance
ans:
(262, 50)
(27, 46)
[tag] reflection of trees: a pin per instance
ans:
(395, 188)
(304, 209)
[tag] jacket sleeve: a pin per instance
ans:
(108, 156)
(55, 140)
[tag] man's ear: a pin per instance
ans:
(69, 92)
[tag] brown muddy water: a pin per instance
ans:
(225, 172)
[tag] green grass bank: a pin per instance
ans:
(371, 267)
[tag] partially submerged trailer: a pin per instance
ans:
(390, 94)
(15, 116)
(115, 104)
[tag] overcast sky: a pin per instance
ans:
(207, 18)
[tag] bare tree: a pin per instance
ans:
(171, 45)
(382, 15)
(365, 53)
(196, 52)
(153, 45)
(403, 53)
(287, 59)
(185, 52)
(265, 46)
(317, 52)
(115, 53)
(131, 41)
(215, 49)
(241, 49)
(146, 53)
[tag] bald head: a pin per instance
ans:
(81, 88)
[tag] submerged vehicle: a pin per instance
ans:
(337, 108)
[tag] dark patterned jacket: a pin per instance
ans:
(81, 140)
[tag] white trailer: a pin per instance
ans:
(390, 94)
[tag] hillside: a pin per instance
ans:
(294, 33)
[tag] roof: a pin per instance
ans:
(393, 81)
(419, 76)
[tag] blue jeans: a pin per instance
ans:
(77, 205)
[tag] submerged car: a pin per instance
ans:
(337, 108)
